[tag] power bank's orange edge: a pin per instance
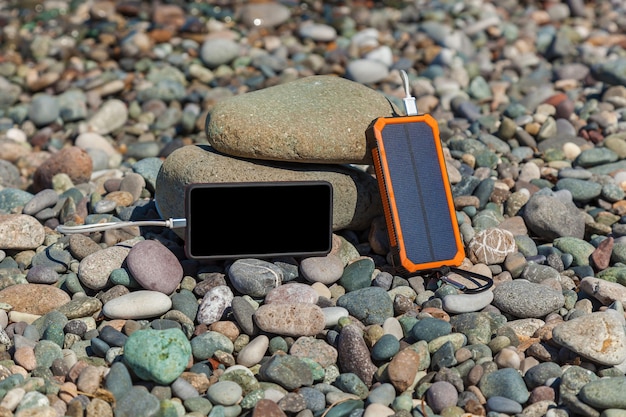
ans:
(389, 207)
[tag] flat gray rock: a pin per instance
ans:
(356, 200)
(598, 337)
(316, 119)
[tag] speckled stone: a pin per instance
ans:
(20, 231)
(598, 337)
(353, 354)
(290, 319)
(37, 299)
(157, 355)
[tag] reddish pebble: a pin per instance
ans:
(73, 161)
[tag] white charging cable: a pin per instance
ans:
(99, 227)
(410, 104)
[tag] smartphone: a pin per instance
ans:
(258, 219)
(417, 201)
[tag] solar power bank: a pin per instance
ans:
(258, 219)
(417, 201)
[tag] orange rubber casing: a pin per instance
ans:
(415, 190)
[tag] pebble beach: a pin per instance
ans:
(108, 109)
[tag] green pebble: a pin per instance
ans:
(46, 352)
(357, 275)
(72, 283)
(316, 368)
(120, 276)
(385, 348)
(249, 401)
(351, 383)
(345, 408)
(169, 408)
(278, 343)
(157, 355)
(243, 378)
(402, 402)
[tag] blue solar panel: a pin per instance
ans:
(417, 193)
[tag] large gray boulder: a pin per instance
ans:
(316, 119)
(356, 200)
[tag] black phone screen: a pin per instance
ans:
(260, 219)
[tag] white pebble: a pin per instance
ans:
(16, 135)
(137, 305)
(12, 398)
(333, 314)
(378, 410)
(508, 358)
(571, 150)
(392, 326)
(253, 352)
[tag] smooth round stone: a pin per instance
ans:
(138, 401)
(292, 293)
(224, 393)
(466, 303)
(383, 394)
(255, 277)
(578, 248)
(503, 405)
(218, 51)
(182, 389)
(323, 269)
(19, 231)
(317, 31)
(352, 384)
(206, 344)
(540, 373)
(94, 269)
(112, 336)
(290, 319)
(254, 351)
(118, 380)
(506, 383)
(366, 71)
(214, 303)
(440, 395)
(43, 199)
(371, 305)
(157, 355)
(315, 349)
(154, 266)
(333, 314)
(264, 15)
(524, 299)
(430, 328)
(185, 301)
(244, 313)
(37, 299)
(91, 141)
(40, 274)
(54, 257)
(392, 326)
(137, 305)
(385, 348)
(111, 115)
(44, 109)
(357, 275)
(604, 393)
